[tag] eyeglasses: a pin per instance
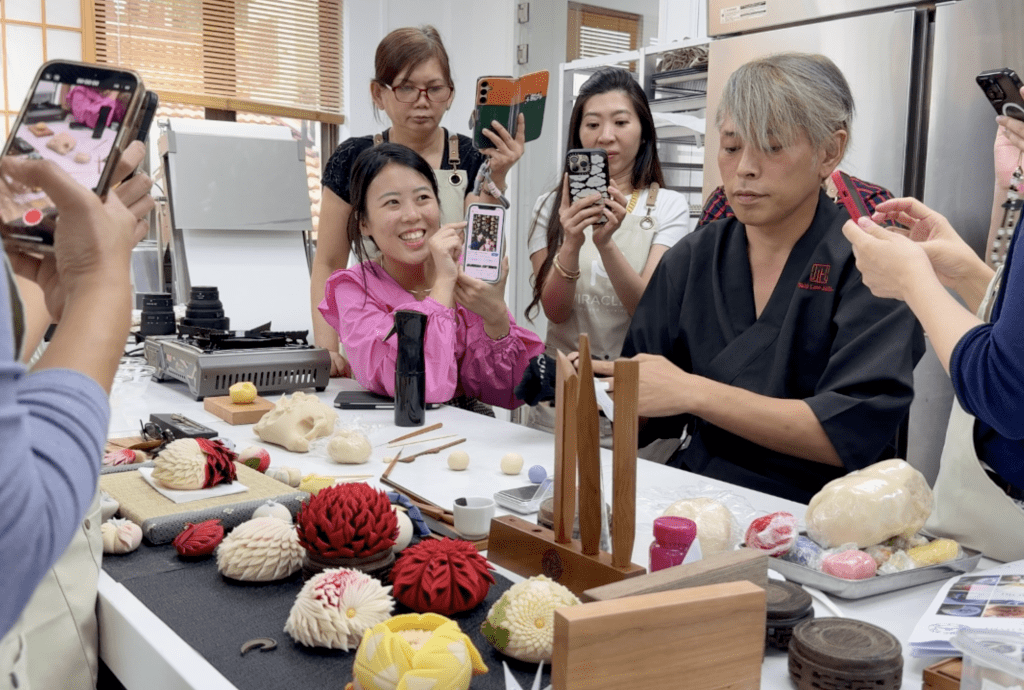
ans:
(410, 94)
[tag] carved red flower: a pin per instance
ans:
(220, 462)
(444, 576)
(200, 539)
(347, 521)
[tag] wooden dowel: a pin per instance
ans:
(391, 466)
(566, 391)
(424, 430)
(422, 440)
(588, 443)
(431, 451)
(626, 428)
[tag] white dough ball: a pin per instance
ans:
(512, 463)
(120, 536)
(458, 460)
(404, 529)
(273, 509)
(349, 447)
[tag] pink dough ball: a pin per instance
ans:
(849, 565)
(774, 534)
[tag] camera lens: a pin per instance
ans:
(205, 309)
(484, 85)
(483, 100)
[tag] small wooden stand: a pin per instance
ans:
(703, 638)
(233, 413)
(528, 549)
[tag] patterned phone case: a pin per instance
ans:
(588, 173)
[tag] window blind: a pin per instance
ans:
(278, 57)
(595, 31)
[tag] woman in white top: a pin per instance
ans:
(588, 278)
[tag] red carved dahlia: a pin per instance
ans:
(220, 462)
(445, 576)
(200, 539)
(347, 521)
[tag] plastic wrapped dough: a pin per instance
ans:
(716, 525)
(868, 506)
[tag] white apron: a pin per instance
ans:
(598, 311)
(55, 642)
(968, 506)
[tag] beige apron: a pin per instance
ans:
(968, 506)
(598, 311)
(55, 642)
(451, 183)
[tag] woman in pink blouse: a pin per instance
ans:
(473, 347)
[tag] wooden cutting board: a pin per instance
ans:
(234, 413)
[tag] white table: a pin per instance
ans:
(145, 653)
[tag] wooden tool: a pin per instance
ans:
(706, 637)
(566, 391)
(424, 430)
(725, 566)
(235, 413)
(420, 440)
(626, 425)
(588, 445)
(431, 451)
(391, 465)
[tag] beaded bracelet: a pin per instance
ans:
(564, 273)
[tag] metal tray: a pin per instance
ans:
(879, 584)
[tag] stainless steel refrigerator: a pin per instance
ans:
(922, 126)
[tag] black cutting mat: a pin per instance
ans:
(216, 616)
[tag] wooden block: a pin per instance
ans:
(725, 566)
(566, 394)
(233, 413)
(626, 427)
(702, 638)
(944, 675)
(529, 549)
(588, 445)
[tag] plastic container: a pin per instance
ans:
(673, 536)
(993, 660)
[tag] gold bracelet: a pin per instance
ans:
(575, 275)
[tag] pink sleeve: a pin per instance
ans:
(491, 369)
(362, 317)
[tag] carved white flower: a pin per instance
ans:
(527, 612)
(260, 550)
(181, 465)
(336, 607)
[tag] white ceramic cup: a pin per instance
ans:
(473, 516)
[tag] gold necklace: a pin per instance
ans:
(632, 201)
(425, 291)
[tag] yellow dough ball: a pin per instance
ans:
(512, 463)
(242, 393)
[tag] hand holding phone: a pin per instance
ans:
(484, 243)
(848, 196)
(588, 174)
(1002, 88)
(503, 98)
(80, 116)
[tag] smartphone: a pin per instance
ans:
(849, 196)
(365, 400)
(503, 98)
(484, 245)
(147, 111)
(588, 174)
(1002, 88)
(80, 116)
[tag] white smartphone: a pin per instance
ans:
(484, 246)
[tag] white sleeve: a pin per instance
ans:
(673, 214)
(542, 209)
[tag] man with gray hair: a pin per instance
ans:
(756, 332)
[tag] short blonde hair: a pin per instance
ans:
(780, 97)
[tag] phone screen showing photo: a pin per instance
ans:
(481, 255)
(72, 117)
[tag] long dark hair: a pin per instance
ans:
(367, 166)
(646, 167)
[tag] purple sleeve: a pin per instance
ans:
(53, 425)
(362, 318)
(987, 365)
(491, 369)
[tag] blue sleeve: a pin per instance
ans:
(53, 425)
(987, 365)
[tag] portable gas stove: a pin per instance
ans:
(210, 362)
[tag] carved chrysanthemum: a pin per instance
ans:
(336, 607)
(521, 623)
(260, 550)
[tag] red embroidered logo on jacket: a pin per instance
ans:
(818, 280)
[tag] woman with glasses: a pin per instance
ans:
(413, 85)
